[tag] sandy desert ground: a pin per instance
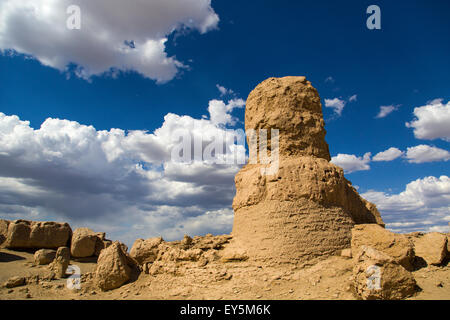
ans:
(327, 280)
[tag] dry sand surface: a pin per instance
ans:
(329, 279)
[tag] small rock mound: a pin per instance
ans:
(113, 268)
(145, 251)
(448, 244)
(61, 262)
(431, 247)
(397, 246)
(101, 243)
(378, 276)
(14, 282)
(87, 243)
(3, 230)
(83, 243)
(157, 256)
(44, 256)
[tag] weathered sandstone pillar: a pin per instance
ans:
(306, 210)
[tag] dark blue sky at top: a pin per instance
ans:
(406, 63)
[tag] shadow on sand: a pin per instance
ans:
(8, 257)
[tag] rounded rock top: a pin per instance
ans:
(291, 105)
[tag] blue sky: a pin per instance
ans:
(236, 45)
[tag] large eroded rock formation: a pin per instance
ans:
(26, 234)
(307, 209)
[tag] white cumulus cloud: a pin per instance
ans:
(424, 153)
(388, 155)
(336, 104)
(432, 121)
(424, 205)
(351, 163)
(122, 182)
(220, 112)
(114, 34)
